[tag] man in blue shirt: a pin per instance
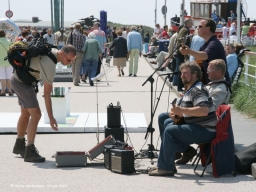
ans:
(212, 49)
(134, 45)
(232, 61)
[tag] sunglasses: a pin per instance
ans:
(200, 26)
(67, 58)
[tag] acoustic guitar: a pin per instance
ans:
(177, 120)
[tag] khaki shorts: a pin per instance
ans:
(26, 94)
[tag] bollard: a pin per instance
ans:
(254, 170)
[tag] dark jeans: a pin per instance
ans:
(176, 78)
(90, 68)
(163, 121)
(99, 65)
(177, 138)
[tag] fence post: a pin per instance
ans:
(246, 69)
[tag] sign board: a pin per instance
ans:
(164, 10)
(9, 13)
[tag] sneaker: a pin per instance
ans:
(134, 75)
(32, 155)
(19, 147)
(91, 83)
(160, 172)
(155, 168)
(130, 75)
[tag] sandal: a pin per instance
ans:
(153, 62)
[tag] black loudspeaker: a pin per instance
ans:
(113, 116)
(122, 161)
(117, 133)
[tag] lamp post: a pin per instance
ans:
(238, 32)
(182, 12)
(165, 12)
(155, 12)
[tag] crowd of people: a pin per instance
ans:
(230, 32)
(123, 43)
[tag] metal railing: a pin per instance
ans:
(245, 42)
(249, 69)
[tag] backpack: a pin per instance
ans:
(19, 56)
(238, 71)
(240, 67)
(245, 158)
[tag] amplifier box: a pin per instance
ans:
(71, 158)
(107, 155)
(113, 116)
(117, 133)
(122, 161)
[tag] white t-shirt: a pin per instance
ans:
(224, 32)
(124, 34)
(156, 30)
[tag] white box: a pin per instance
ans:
(60, 105)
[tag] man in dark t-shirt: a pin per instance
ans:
(212, 49)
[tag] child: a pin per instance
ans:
(146, 41)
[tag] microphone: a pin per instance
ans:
(98, 77)
(172, 73)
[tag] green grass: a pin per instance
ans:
(243, 96)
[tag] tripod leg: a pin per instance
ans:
(97, 112)
(105, 73)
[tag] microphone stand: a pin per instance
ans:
(150, 129)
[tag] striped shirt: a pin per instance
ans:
(199, 96)
(78, 40)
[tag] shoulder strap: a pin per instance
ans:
(52, 57)
(71, 38)
(224, 82)
(3, 46)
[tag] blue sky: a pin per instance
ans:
(119, 11)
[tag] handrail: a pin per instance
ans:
(249, 69)
(250, 53)
(208, 1)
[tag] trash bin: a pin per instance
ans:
(163, 45)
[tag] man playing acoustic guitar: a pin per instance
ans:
(198, 110)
